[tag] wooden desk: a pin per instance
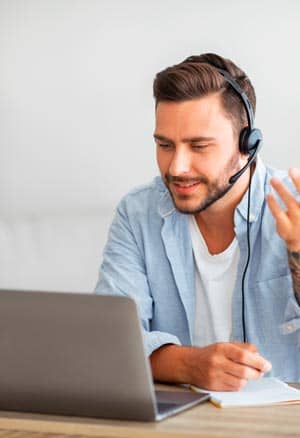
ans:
(204, 420)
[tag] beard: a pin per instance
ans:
(215, 189)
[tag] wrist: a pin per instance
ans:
(293, 247)
(170, 363)
(185, 363)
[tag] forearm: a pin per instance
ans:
(168, 363)
(219, 367)
(294, 263)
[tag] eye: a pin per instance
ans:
(165, 146)
(199, 147)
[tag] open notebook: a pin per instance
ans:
(266, 391)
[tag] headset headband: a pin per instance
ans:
(227, 76)
(242, 95)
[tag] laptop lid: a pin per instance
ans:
(79, 354)
(74, 354)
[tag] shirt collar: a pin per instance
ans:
(165, 205)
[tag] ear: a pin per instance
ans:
(244, 141)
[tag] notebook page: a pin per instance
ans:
(267, 390)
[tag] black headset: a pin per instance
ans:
(250, 140)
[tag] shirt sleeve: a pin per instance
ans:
(291, 318)
(123, 272)
(292, 311)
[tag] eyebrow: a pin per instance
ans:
(185, 140)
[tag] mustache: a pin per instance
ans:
(180, 179)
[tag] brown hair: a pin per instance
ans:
(197, 76)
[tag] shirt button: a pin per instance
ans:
(252, 217)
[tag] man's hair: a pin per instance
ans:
(197, 76)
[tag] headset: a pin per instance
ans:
(250, 142)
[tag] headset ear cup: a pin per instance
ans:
(243, 141)
(254, 138)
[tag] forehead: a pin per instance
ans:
(191, 116)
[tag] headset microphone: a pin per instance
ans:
(251, 159)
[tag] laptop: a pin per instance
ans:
(81, 355)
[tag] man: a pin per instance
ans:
(180, 246)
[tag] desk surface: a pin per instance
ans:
(204, 420)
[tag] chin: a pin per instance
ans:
(186, 208)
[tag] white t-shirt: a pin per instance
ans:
(215, 280)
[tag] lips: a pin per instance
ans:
(185, 188)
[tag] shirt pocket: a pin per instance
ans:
(270, 301)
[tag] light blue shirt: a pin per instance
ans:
(149, 257)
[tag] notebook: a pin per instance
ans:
(266, 391)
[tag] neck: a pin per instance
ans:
(216, 223)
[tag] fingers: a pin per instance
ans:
(283, 222)
(242, 372)
(225, 382)
(225, 366)
(294, 174)
(289, 200)
(287, 221)
(248, 358)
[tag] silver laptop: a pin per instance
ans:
(79, 354)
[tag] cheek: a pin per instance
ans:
(162, 160)
(205, 165)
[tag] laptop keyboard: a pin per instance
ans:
(166, 407)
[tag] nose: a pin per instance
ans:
(180, 163)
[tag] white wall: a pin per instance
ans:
(76, 113)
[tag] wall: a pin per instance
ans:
(76, 113)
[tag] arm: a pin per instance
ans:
(294, 263)
(123, 272)
(288, 224)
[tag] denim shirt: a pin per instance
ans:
(149, 257)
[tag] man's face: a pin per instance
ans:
(197, 151)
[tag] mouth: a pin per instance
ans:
(185, 188)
